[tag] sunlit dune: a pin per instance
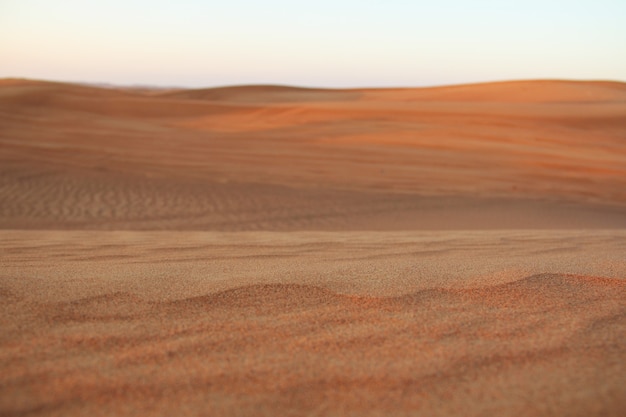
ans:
(275, 250)
(327, 152)
(539, 91)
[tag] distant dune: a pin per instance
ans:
(523, 154)
(263, 94)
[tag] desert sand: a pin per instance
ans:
(267, 250)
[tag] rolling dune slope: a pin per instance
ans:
(84, 157)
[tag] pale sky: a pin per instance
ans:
(331, 43)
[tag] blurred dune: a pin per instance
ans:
(549, 153)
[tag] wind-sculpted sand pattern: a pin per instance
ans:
(49, 199)
(361, 323)
(544, 345)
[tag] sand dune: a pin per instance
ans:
(544, 143)
(373, 324)
(264, 94)
(537, 91)
(271, 250)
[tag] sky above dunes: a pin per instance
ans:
(334, 43)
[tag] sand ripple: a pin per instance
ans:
(551, 344)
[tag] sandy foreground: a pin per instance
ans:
(276, 251)
(363, 323)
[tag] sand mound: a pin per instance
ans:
(542, 288)
(264, 94)
(537, 91)
(59, 101)
(268, 298)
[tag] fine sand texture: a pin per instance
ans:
(279, 251)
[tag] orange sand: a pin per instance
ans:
(279, 251)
